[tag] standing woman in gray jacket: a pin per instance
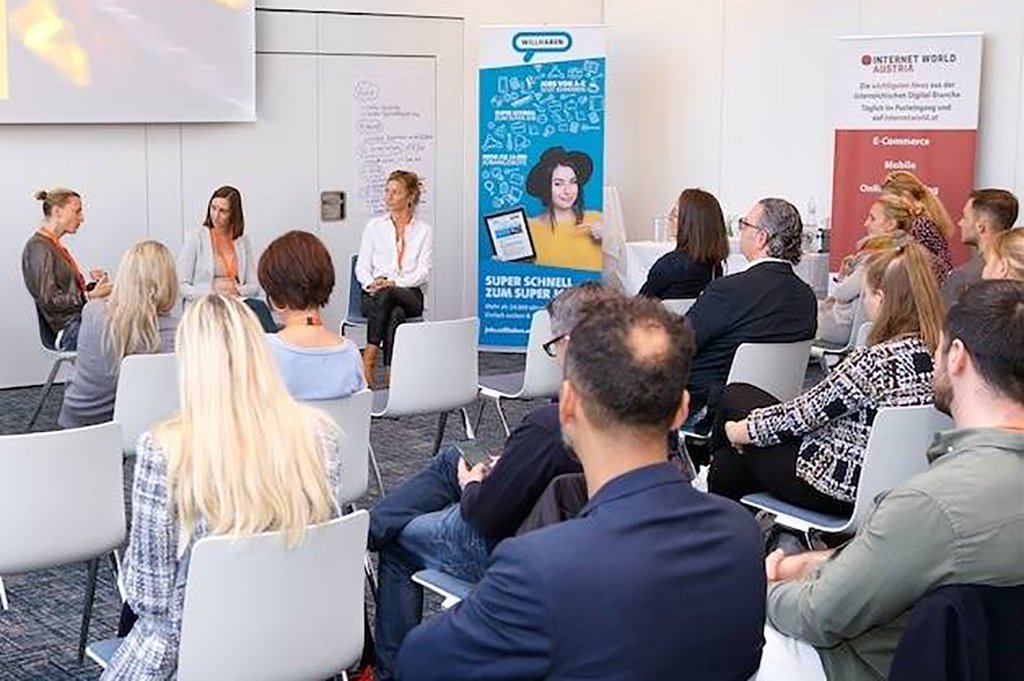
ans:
(217, 257)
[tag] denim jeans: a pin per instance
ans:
(415, 527)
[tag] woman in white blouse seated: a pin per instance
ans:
(394, 263)
(242, 457)
(808, 451)
(298, 276)
(217, 256)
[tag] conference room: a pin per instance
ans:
(444, 339)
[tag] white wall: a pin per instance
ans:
(733, 95)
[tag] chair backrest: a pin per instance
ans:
(354, 289)
(679, 306)
(61, 497)
(46, 335)
(542, 376)
(256, 609)
(147, 393)
(352, 415)
(862, 335)
(896, 451)
(776, 368)
(434, 367)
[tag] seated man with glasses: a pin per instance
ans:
(765, 303)
(449, 517)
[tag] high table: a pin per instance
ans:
(641, 255)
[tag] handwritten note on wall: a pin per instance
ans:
(394, 130)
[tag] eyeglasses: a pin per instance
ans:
(550, 346)
(747, 223)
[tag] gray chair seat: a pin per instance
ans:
(822, 521)
(506, 384)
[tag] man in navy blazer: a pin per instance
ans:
(765, 303)
(653, 579)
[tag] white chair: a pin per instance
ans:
(824, 351)
(541, 377)
(451, 589)
(257, 609)
(777, 368)
(896, 451)
(863, 333)
(62, 502)
(48, 342)
(679, 306)
(147, 393)
(433, 369)
(352, 415)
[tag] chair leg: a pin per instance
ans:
(90, 593)
(480, 413)
(115, 567)
(376, 471)
(501, 415)
(470, 432)
(3, 595)
(371, 578)
(442, 421)
(43, 395)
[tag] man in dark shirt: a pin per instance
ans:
(766, 303)
(449, 517)
(652, 579)
(987, 214)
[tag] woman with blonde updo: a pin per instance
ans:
(931, 226)
(1004, 258)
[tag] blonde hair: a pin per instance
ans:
(911, 304)
(242, 454)
(1009, 248)
(897, 209)
(57, 196)
(146, 287)
(923, 200)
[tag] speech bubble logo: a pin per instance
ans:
(530, 43)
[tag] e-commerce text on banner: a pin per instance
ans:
(903, 103)
(541, 171)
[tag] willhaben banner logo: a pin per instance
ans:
(905, 63)
(530, 43)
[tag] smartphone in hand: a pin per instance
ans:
(471, 451)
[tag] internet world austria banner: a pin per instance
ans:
(902, 103)
(541, 171)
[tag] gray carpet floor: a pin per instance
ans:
(39, 633)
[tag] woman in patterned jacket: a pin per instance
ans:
(242, 457)
(808, 451)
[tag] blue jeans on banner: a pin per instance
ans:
(419, 526)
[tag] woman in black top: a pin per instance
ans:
(701, 247)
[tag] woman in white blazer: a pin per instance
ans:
(395, 257)
(217, 257)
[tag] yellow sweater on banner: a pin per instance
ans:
(567, 245)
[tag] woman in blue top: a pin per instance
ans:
(298, 276)
(701, 247)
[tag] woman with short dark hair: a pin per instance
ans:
(702, 245)
(297, 274)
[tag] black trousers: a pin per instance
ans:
(760, 469)
(385, 310)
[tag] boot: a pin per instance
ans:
(370, 354)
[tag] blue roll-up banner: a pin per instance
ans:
(541, 171)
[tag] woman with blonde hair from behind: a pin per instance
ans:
(139, 317)
(242, 457)
(1005, 257)
(808, 451)
(932, 226)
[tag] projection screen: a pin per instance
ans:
(127, 61)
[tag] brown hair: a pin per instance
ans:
(700, 228)
(998, 204)
(234, 198)
(409, 180)
(296, 271)
(924, 201)
(897, 209)
(911, 304)
(1009, 247)
(57, 196)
